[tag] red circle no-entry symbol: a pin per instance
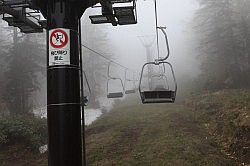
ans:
(58, 38)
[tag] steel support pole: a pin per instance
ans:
(63, 90)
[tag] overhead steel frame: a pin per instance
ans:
(21, 14)
(122, 15)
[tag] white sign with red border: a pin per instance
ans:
(59, 47)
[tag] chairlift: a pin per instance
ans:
(118, 94)
(160, 94)
(131, 90)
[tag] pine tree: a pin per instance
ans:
(94, 65)
(220, 44)
(24, 62)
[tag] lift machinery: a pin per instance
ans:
(116, 12)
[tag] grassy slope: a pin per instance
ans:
(20, 155)
(162, 134)
(226, 116)
(208, 130)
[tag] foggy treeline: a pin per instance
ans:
(223, 31)
(94, 65)
(23, 68)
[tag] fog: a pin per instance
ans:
(176, 15)
(209, 43)
(127, 43)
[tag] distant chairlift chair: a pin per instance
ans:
(128, 91)
(114, 94)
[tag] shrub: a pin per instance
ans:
(23, 129)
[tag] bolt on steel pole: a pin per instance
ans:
(63, 84)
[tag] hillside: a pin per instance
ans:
(226, 116)
(162, 134)
(209, 129)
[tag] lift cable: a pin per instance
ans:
(97, 53)
(110, 60)
(156, 25)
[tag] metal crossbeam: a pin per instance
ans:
(26, 26)
(20, 16)
(15, 3)
(43, 23)
(120, 1)
(125, 15)
(99, 19)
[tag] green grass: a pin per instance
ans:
(161, 134)
(226, 116)
(20, 138)
(200, 133)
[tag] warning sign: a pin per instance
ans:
(59, 47)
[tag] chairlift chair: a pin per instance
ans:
(118, 94)
(131, 90)
(159, 94)
(114, 94)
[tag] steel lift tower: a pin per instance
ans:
(147, 43)
(63, 80)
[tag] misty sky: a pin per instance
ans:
(176, 15)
